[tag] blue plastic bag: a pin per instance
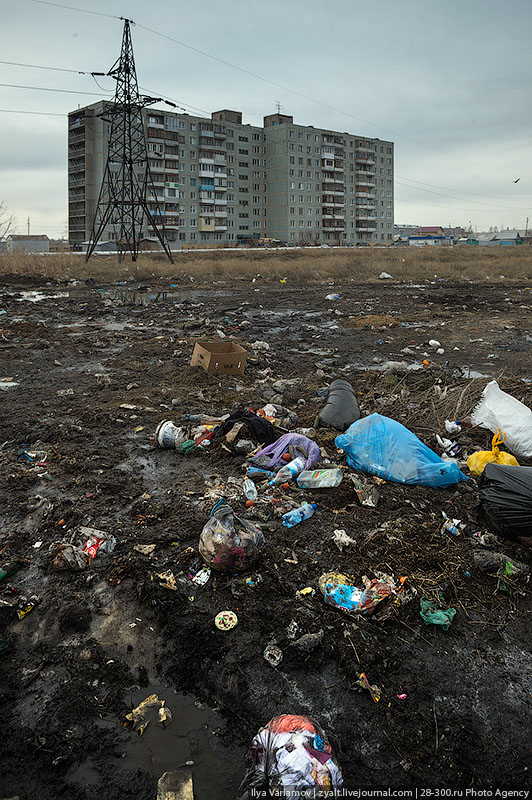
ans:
(384, 447)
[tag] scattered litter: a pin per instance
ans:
(341, 539)
(384, 276)
(226, 620)
(340, 591)
(9, 569)
(433, 613)
(452, 426)
(364, 683)
(226, 358)
(202, 577)
(381, 446)
(273, 655)
(332, 297)
(477, 461)
(320, 479)
(145, 712)
(97, 540)
(308, 590)
(366, 494)
(68, 556)
(168, 580)
(341, 408)
(145, 549)
(305, 511)
(64, 392)
(293, 753)
(309, 641)
(499, 410)
(260, 346)
(453, 526)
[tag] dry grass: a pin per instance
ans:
(463, 262)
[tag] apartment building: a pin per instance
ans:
(218, 181)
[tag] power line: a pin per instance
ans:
(450, 208)
(39, 66)
(464, 199)
(46, 89)
(460, 191)
(39, 113)
(73, 8)
(278, 85)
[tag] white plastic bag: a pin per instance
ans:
(497, 409)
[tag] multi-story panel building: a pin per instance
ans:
(218, 181)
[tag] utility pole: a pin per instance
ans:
(127, 183)
(526, 229)
(28, 226)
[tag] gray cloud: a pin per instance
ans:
(451, 75)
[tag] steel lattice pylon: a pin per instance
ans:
(127, 180)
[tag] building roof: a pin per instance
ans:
(18, 237)
(506, 235)
(434, 229)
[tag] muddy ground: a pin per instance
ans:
(94, 369)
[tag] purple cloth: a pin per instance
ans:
(272, 456)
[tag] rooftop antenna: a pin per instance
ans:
(127, 180)
(278, 106)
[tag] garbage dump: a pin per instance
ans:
(384, 447)
(341, 408)
(506, 500)
(291, 753)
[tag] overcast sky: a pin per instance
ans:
(453, 75)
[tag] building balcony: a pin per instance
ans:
(206, 132)
(366, 228)
(334, 227)
(363, 179)
(74, 184)
(220, 160)
(328, 215)
(220, 202)
(208, 187)
(220, 187)
(220, 227)
(206, 173)
(206, 160)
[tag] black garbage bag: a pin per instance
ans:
(506, 500)
(260, 429)
(341, 408)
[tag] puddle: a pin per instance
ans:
(33, 296)
(193, 735)
(137, 298)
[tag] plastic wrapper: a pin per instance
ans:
(293, 759)
(339, 590)
(433, 613)
(497, 409)
(383, 447)
(68, 556)
(294, 443)
(341, 408)
(228, 542)
(506, 500)
(477, 461)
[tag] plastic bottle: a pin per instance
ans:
(319, 478)
(250, 490)
(289, 471)
(305, 511)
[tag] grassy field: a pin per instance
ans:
(468, 262)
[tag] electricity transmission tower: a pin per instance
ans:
(127, 179)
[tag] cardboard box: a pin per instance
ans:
(224, 358)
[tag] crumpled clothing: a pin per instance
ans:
(260, 429)
(271, 457)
